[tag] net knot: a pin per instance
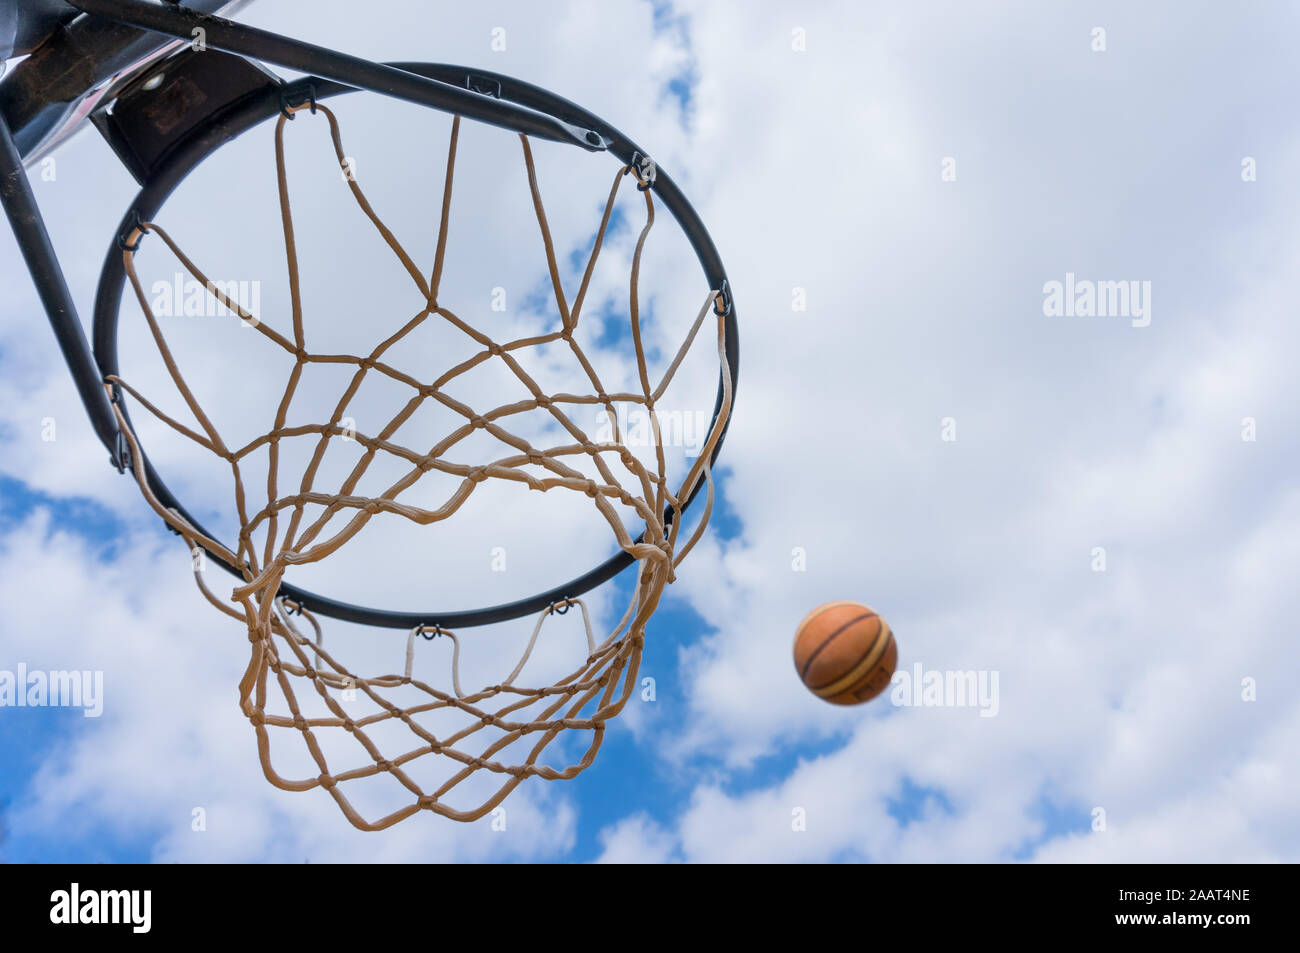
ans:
(536, 457)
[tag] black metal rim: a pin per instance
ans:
(253, 110)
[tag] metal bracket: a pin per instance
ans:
(133, 224)
(121, 456)
(645, 170)
(297, 94)
(484, 85)
(722, 303)
(175, 95)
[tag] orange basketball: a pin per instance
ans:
(845, 653)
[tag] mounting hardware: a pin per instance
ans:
(484, 85)
(133, 224)
(295, 95)
(121, 457)
(645, 170)
(722, 303)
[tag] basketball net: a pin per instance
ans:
(287, 651)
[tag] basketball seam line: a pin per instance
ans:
(827, 641)
(858, 673)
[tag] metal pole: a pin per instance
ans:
(34, 242)
(292, 54)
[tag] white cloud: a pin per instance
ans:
(1120, 690)
(636, 840)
